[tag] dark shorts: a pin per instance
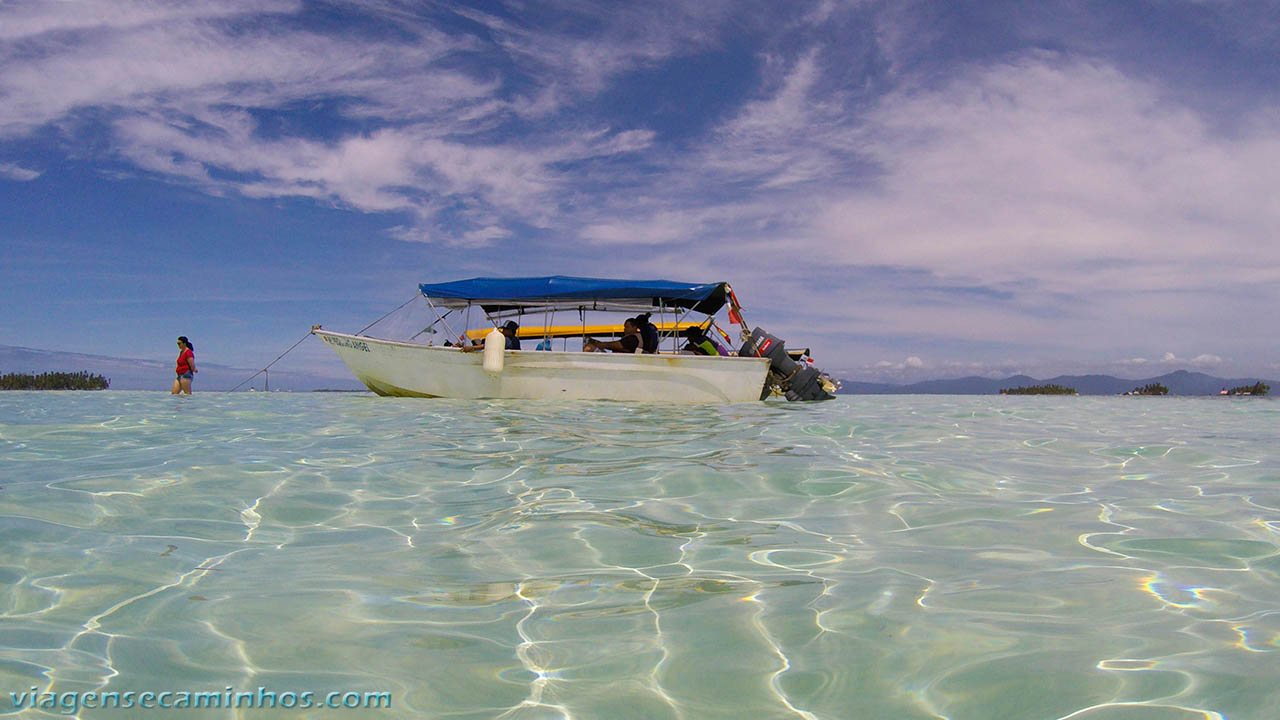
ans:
(187, 375)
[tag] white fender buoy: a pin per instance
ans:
(495, 343)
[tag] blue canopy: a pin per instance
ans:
(593, 293)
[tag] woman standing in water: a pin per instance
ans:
(186, 367)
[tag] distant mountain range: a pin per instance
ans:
(132, 374)
(1181, 382)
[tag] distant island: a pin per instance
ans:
(1180, 382)
(1149, 389)
(1259, 388)
(82, 380)
(1040, 390)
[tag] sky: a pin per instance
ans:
(911, 189)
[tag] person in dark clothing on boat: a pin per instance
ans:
(648, 334)
(508, 331)
(698, 342)
(628, 343)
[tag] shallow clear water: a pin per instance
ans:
(869, 557)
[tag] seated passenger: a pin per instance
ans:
(699, 343)
(724, 351)
(648, 334)
(628, 343)
(508, 330)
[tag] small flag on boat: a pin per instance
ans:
(735, 317)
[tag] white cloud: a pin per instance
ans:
(781, 139)
(910, 363)
(1066, 174)
(21, 20)
(386, 170)
(1204, 360)
(183, 67)
(17, 172)
(1069, 174)
(186, 94)
(909, 372)
(485, 236)
(659, 225)
(625, 37)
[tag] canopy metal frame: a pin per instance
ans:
(498, 310)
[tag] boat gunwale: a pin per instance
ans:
(595, 356)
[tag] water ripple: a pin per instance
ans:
(904, 557)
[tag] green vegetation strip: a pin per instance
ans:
(1040, 390)
(53, 381)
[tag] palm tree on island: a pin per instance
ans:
(1040, 390)
(1258, 388)
(53, 381)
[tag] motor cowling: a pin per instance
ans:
(797, 381)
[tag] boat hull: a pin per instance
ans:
(401, 369)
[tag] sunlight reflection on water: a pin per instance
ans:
(873, 556)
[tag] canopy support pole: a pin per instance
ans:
(439, 318)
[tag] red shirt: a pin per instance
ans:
(184, 361)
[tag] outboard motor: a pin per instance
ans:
(798, 381)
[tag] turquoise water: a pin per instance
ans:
(869, 557)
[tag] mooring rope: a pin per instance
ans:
(384, 317)
(273, 362)
(304, 337)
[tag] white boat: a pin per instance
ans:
(395, 368)
(398, 368)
